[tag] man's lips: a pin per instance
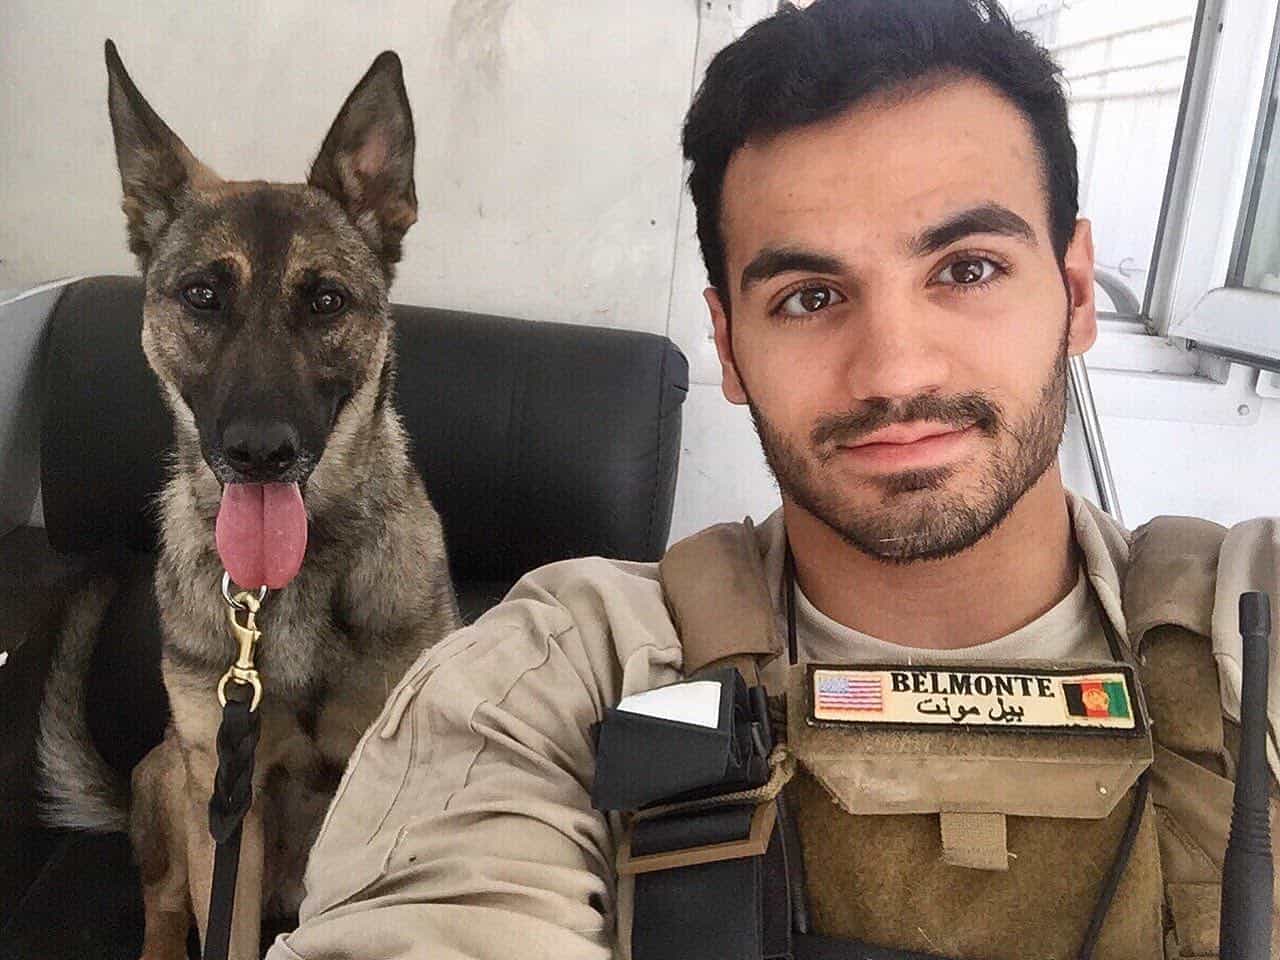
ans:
(904, 433)
(906, 446)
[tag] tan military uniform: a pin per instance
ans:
(463, 826)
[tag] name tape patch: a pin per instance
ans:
(992, 697)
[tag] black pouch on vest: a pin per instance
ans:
(643, 760)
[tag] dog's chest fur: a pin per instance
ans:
(306, 639)
(309, 641)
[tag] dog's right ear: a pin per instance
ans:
(156, 168)
(366, 160)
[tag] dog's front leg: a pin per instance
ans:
(246, 915)
(158, 834)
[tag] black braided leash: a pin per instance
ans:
(232, 797)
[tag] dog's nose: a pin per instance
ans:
(260, 451)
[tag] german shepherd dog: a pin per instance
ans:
(266, 320)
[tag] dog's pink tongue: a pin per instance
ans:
(261, 533)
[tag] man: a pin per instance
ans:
(886, 198)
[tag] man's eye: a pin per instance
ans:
(969, 272)
(201, 296)
(328, 302)
(809, 300)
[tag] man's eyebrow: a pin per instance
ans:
(984, 218)
(772, 261)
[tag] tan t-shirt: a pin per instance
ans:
(1069, 630)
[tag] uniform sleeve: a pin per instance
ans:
(463, 825)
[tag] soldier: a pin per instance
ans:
(1017, 744)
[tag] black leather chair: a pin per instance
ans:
(537, 442)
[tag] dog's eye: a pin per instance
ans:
(328, 302)
(201, 296)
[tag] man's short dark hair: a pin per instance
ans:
(800, 67)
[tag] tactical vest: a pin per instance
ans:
(1015, 874)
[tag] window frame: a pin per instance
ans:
(1211, 172)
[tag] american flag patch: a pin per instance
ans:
(862, 693)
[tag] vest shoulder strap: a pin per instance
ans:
(1168, 597)
(718, 599)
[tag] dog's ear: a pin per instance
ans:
(156, 168)
(366, 161)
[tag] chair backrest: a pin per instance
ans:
(537, 441)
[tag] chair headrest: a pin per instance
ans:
(536, 441)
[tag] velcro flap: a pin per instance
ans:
(975, 840)
(1031, 739)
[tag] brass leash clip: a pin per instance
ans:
(247, 636)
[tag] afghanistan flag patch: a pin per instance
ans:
(1090, 699)
(1096, 698)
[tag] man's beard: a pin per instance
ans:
(922, 525)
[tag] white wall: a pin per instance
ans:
(548, 168)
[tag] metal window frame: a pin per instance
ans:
(1211, 172)
(1211, 185)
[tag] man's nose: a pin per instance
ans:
(260, 451)
(894, 350)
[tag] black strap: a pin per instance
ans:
(1127, 842)
(232, 797)
(796, 892)
(735, 909)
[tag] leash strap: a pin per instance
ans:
(232, 797)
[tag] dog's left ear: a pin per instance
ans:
(366, 161)
(156, 168)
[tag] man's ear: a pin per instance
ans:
(1077, 269)
(730, 381)
(156, 168)
(366, 161)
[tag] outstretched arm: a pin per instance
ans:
(463, 826)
